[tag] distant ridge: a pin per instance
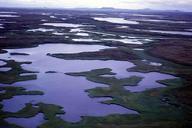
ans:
(102, 9)
(126, 10)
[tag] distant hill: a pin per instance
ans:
(103, 9)
(110, 9)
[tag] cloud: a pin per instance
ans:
(70, 3)
(128, 4)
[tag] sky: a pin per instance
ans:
(185, 5)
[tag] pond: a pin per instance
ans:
(68, 25)
(8, 15)
(68, 91)
(125, 41)
(172, 32)
(40, 30)
(82, 34)
(85, 40)
(115, 20)
(27, 122)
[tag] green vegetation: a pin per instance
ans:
(51, 72)
(158, 108)
(168, 67)
(11, 91)
(154, 112)
(14, 75)
(96, 76)
(2, 51)
(146, 68)
(50, 111)
(172, 83)
(28, 111)
(23, 54)
(120, 54)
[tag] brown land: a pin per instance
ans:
(106, 54)
(174, 50)
(178, 51)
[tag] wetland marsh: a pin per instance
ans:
(94, 69)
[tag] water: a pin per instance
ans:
(5, 69)
(85, 40)
(27, 122)
(148, 15)
(155, 64)
(76, 30)
(189, 29)
(138, 49)
(2, 63)
(126, 41)
(82, 34)
(40, 30)
(80, 30)
(1, 26)
(172, 32)
(163, 21)
(59, 87)
(63, 18)
(149, 81)
(8, 12)
(46, 14)
(68, 25)
(123, 27)
(100, 33)
(3, 91)
(116, 20)
(43, 20)
(59, 33)
(2, 15)
(57, 48)
(68, 91)
(53, 17)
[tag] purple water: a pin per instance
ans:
(68, 91)
(115, 20)
(27, 122)
(149, 81)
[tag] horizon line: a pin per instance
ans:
(99, 8)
